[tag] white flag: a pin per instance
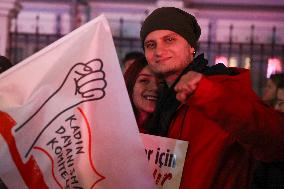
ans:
(67, 120)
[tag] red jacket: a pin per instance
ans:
(227, 128)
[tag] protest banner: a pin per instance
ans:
(166, 157)
(66, 120)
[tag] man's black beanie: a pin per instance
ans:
(174, 19)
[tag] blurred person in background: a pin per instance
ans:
(270, 89)
(5, 64)
(270, 175)
(279, 102)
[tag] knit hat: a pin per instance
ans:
(174, 19)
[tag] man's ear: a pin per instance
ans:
(192, 50)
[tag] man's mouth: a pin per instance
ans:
(161, 60)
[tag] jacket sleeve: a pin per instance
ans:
(231, 103)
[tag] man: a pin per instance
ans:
(226, 125)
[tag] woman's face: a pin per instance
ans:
(269, 91)
(146, 91)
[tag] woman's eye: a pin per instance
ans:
(143, 81)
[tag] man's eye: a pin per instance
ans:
(149, 45)
(170, 39)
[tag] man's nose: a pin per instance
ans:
(159, 49)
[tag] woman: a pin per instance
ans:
(270, 89)
(143, 88)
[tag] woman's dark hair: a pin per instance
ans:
(132, 56)
(131, 75)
